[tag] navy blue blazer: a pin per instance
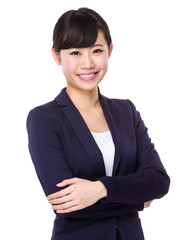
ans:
(62, 146)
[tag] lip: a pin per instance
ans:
(87, 78)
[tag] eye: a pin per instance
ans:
(97, 51)
(75, 53)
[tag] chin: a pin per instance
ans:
(88, 88)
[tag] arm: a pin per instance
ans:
(79, 194)
(150, 180)
(51, 166)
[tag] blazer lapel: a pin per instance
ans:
(81, 130)
(111, 113)
(83, 133)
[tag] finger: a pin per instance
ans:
(68, 210)
(147, 204)
(59, 194)
(64, 206)
(61, 200)
(67, 182)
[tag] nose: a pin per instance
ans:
(87, 62)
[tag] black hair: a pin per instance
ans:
(79, 29)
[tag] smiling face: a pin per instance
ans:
(84, 68)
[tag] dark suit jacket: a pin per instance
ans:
(62, 146)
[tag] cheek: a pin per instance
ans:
(102, 62)
(68, 65)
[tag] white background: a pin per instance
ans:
(150, 65)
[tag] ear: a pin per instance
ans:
(110, 49)
(56, 56)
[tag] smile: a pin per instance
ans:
(87, 77)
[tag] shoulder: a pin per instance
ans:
(125, 108)
(47, 112)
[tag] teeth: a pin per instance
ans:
(87, 76)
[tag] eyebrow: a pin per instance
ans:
(97, 45)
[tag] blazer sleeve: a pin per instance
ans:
(48, 157)
(149, 181)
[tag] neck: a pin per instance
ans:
(83, 99)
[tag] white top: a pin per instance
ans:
(105, 143)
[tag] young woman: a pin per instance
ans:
(92, 154)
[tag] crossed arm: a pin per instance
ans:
(108, 196)
(78, 194)
(149, 182)
(51, 167)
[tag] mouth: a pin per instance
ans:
(87, 77)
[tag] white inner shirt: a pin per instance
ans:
(105, 143)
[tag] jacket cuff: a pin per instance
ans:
(108, 198)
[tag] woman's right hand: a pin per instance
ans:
(78, 194)
(147, 204)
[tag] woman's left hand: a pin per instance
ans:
(147, 204)
(79, 194)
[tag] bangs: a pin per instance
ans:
(79, 29)
(82, 32)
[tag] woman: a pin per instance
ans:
(92, 154)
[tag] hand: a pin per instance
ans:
(79, 194)
(147, 204)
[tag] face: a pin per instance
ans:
(84, 68)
